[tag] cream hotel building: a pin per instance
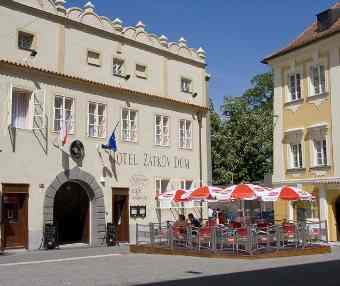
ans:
(71, 65)
(307, 120)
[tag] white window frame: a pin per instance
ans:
(188, 87)
(129, 128)
(118, 71)
(297, 94)
(29, 116)
(141, 74)
(323, 152)
(158, 185)
(96, 124)
(97, 62)
(24, 33)
(321, 84)
(63, 113)
(184, 182)
(296, 160)
(164, 136)
(185, 134)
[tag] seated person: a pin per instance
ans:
(193, 221)
(180, 225)
(180, 222)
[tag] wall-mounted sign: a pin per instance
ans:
(77, 151)
(138, 211)
(151, 160)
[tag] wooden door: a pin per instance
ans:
(120, 213)
(15, 216)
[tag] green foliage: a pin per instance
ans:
(242, 139)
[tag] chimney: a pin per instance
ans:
(327, 18)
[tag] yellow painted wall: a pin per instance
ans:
(332, 195)
(308, 112)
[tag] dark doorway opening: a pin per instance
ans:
(120, 213)
(337, 217)
(71, 213)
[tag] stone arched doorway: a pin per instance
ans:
(86, 185)
(71, 213)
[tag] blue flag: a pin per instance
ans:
(112, 144)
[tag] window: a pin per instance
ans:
(318, 79)
(21, 100)
(162, 185)
(118, 67)
(64, 113)
(186, 85)
(296, 155)
(93, 58)
(162, 130)
(186, 184)
(141, 71)
(97, 120)
(294, 83)
(185, 134)
(320, 147)
(25, 41)
(129, 125)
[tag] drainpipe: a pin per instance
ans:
(199, 119)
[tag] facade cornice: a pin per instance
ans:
(315, 181)
(92, 83)
(171, 50)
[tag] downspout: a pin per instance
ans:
(199, 119)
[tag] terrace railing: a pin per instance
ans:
(247, 239)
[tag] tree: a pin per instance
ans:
(242, 140)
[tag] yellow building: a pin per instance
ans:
(307, 120)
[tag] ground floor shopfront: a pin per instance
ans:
(325, 207)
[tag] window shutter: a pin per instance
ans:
(9, 103)
(39, 120)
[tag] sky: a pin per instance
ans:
(235, 34)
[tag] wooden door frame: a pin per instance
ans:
(8, 188)
(122, 192)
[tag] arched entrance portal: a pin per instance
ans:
(84, 184)
(71, 213)
(337, 216)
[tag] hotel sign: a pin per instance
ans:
(151, 160)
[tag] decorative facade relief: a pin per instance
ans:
(138, 33)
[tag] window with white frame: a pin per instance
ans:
(161, 130)
(129, 125)
(186, 184)
(294, 86)
(317, 79)
(93, 58)
(320, 152)
(21, 109)
(63, 113)
(118, 67)
(185, 134)
(25, 41)
(186, 85)
(97, 120)
(141, 71)
(296, 158)
(162, 185)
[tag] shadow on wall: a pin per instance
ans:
(316, 274)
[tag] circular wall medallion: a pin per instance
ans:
(77, 150)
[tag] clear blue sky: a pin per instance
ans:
(235, 34)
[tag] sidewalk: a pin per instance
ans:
(15, 256)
